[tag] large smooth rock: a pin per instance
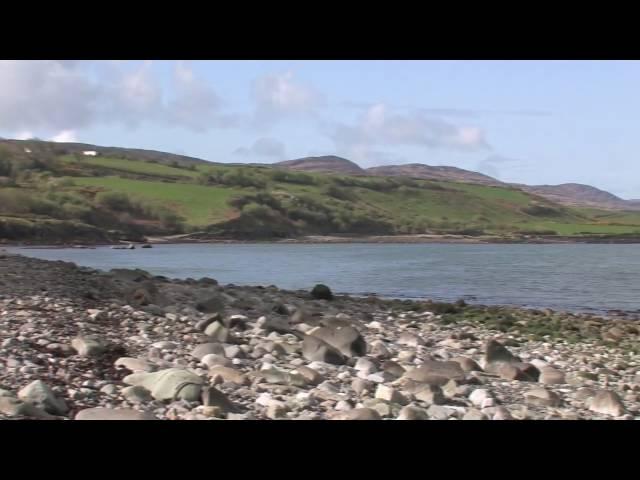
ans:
(435, 373)
(347, 340)
(356, 414)
(100, 413)
(390, 394)
(88, 346)
(39, 394)
(204, 349)
(317, 350)
(280, 377)
(169, 384)
(607, 403)
(524, 372)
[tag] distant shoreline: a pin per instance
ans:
(336, 240)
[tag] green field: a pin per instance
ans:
(199, 205)
(133, 166)
(138, 197)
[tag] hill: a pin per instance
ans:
(418, 170)
(582, 195)
(326, 164)
(52, 193)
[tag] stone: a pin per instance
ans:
(409, 339)
(88, 346)
(438, 412)
(502, 413)
(134, 364)
(390, 394)
(212, 360)
(202, 324)
(347, 340)
(496, 355)
(100, 413)
(211, 304)
(411, 412)
(97, 315)
(542, 397)
(379, 349)
(229, 375)
(366, 366)
(607, 402)
(217, 331)
(430, 394)
(467, 364)
(276, 411)
(212, 397)
(13, 407)
(394, 369)
(435, 373)
(473, 414)
(280, 377)
(516, 371)
(233, 351)
(109, 389)
(356, 414)
(312, 376)
(39, 394)
(316, 350)
(478, 396)
(360, 385)
(136, 394)
(321, 292)
(200, 351)
(406, 356)
(169, 384)
(550, 376)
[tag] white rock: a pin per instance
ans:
(478, 396)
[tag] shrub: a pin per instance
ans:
(116, 201)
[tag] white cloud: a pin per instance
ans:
(381, 126)
(280, 95)
(263, 147)
(53, 96)
(65, 136)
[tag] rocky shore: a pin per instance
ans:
(77, 343)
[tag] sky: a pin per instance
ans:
(534, 122)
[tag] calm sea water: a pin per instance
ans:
(566, 277)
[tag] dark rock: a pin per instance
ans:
(393, 368)
(212, 397)
(211, 304)
(321, 292)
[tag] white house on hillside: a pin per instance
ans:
(90, 153)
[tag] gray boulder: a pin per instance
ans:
(607, 403)
(316, 350)
(347, 340)
(39, 394)
(169, 384)
(100, 413)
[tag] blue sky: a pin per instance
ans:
(535, 122)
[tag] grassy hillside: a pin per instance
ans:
(55, 190)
